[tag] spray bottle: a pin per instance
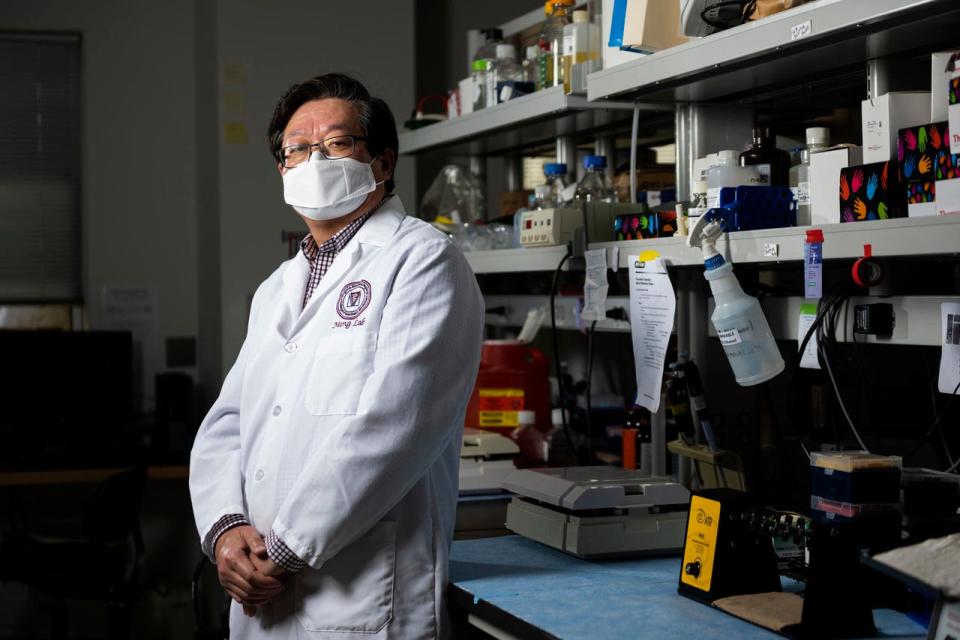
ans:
(738, 318)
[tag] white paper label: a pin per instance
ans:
(653, 304)
(764, 171)
(771, 249)
(713, 197)
(568, 45)
(800, 31)
(595, 286)
(950, 351)
(808, 313)
(729, 336)
(948, 622)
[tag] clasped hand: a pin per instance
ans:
(245, 570)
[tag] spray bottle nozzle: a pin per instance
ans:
(704, 234)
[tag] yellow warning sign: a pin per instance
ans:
(500, 407)
(701, 544)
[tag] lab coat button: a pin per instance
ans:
(277, 410)
(290, 347)
(258, 476)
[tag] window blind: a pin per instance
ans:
(40, 162)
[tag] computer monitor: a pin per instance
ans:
(65, 396)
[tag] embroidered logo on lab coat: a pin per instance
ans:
(354, 299)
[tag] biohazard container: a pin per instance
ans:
(513, 378)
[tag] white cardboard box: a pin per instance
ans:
(922, 209)
(948, 197)
(824, 187)
(883, 117)
(466, 87)
(612, 56)
(939, 79)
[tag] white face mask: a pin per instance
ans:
(322, 189)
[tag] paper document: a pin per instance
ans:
(652, 307)
(595, 286)
(950, 353)
(808, 313)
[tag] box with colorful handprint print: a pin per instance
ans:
(871, 192)
(921, 198)
(923, 153)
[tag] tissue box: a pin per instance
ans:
(636, 226)
(871, 192)
(924, 153)
(825, 167)
(921, 198)
(884, 116)
(644, 226)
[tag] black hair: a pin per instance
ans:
(376, 119)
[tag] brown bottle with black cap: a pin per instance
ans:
(764, 154)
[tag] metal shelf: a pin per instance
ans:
(524, 121)
(515, 260)
(511, 312)
(763, 59)
(900, 237)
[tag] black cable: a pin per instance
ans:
(590, 332)
(933, 398)
(554, 289)
(936, 422)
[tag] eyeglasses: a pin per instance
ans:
(331, 149)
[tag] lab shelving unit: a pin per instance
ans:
(900, 237)
(825, 51)
(530, 119)
(515, 260)
(784, 55)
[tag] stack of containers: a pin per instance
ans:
(856, 487)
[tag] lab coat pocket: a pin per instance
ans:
(353, 591)
(341, 366)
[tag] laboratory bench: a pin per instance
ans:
(511, 587)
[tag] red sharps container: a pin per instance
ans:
(513, 377)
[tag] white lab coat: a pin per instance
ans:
(339, 428)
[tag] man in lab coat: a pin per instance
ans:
(324, 478)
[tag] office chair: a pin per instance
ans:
(103, 562)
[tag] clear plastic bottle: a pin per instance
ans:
(728, 173)
(501, 70)
(580, 38)
(531, 72)
(556, 175)
(478, 65)
(543, 195)
(594, 186)
(550, 42)
(818, 138)
(741, 326)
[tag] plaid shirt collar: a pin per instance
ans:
(335, 244)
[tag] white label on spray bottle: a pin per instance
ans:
(729, 336)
